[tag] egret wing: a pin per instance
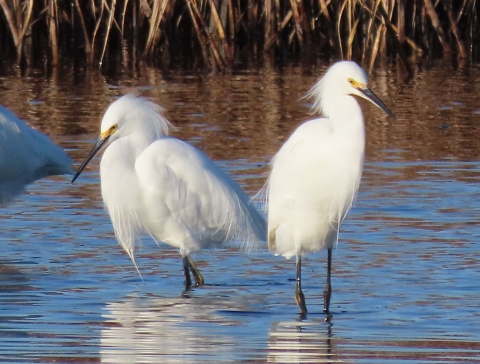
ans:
(189, 201)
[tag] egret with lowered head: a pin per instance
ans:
(316, 174)
(159, 185)
(26, 155)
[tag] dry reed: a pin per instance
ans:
(217, 33)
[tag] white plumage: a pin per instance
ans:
(164, 187)
(301, 221)
(316, 174)
(25, 156)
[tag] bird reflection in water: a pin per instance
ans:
(301, 342)
(178, 330)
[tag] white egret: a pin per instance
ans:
(316, 173)
(159, 185)
(25, 156)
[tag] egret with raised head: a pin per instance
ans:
(316, 174)
(159, 185)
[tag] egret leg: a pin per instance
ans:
(327, 293)
(196, 273)
(299, 297)
(188, 280)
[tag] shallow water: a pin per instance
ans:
(406, 272)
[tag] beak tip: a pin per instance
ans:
(370, 96)
(96, 148)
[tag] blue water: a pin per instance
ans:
(406, 271)
(406, 280)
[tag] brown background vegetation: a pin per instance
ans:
(218, 34)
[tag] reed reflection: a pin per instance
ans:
(12, 280)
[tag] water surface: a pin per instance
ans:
(406, 272)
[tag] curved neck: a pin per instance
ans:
(344, 111)
(139, 141)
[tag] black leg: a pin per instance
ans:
(327, 293)
(199, 281)
(299, 297)
(188, 280)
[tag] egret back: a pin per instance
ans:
(196, 204)
(178, 196)
(25, 156)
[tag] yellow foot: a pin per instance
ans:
(300, 299)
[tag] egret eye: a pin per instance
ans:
(207, 208)
(302, 166)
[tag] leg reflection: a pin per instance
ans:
(302, 341)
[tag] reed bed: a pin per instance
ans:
(218, 33)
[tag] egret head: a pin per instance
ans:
(343, 78)
(132, 114)
(125, 116)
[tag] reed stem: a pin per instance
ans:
(213, 33)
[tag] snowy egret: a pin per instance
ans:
(25, 156)
(155, 184)
(316, 174)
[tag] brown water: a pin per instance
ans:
(406, 272)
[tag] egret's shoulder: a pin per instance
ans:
(176, 155)
(10, 124)
(312, 130)
(170, 148)
(315, 127)
(309, 137)
(24, 147)
(171, 165)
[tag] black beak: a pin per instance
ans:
(369, 95)
(97, 147)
